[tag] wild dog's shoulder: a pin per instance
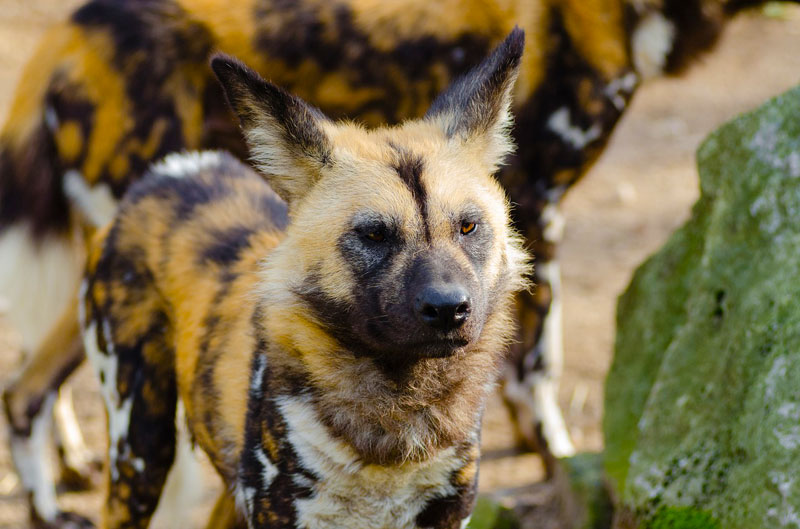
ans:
(190, 170)
(188, 187)
(192, 216)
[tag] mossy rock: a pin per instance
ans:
(702, 420)
(489, 514)
(585, 500)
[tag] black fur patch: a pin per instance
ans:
(31, 186)
(476, 98)
(272, 503)
(409, 168)
(152, 40)
(338, 45)
(226, 245)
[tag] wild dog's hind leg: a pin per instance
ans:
(531, 380)
(78, 465)
(128, 350)
(28, 403)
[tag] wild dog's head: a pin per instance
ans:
(399, 246)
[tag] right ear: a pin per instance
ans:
(285, 135)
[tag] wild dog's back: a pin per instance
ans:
(191, 232)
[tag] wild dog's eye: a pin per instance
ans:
(376, 236)
(467, 227)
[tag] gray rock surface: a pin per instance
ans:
(702, 423)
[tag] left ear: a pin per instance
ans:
(476, 108)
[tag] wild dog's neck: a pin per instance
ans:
(387, 417)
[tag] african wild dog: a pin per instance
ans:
(334, 359)
(122, 84)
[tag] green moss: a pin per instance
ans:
(587, 487)
(702, 401)
(682, 518)
(489, 514)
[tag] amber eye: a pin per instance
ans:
(376, 236)
(467, 228)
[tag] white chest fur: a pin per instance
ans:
(351, 494)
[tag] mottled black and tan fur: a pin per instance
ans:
(333, 358)
(123, 83)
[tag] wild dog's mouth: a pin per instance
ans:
(438, 348)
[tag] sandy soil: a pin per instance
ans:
(640, 190)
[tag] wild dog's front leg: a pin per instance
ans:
(28, 404)
(531, 380)
(140, 396)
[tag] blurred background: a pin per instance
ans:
(639, 192)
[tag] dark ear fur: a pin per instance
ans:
(287, 143)
(477, 106)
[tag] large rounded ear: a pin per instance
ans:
(476, 108)
(285, 135)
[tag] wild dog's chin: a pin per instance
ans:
(443, 348)
(416, 344)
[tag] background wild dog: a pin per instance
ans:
(123, 83)
(369, 330)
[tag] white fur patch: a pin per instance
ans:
(95, 203)
(119, 411)
(185, 483)
(553, 222)
(244, 497)
(257, 378)
(51, 118)
(560, 122)
(76, 454)
(621, 87)
(268, 469)
(652, 42)
(179, 165)
(351, 494)
(33, 465)
(37, 280)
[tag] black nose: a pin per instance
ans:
(443, 307)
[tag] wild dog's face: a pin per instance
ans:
(399, 244)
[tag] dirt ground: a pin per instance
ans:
(637, 194)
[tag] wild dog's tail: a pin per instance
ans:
(40, 258)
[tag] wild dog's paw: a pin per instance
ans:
(80, 478)
(63, 520)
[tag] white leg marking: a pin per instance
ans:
(465, 522)
(119, 411)
(552, 340)
(560, 122)
(651, 42)
(545, 391)
(96, 203)
(76, 455)
(33, 465)
(536, 397)
(553, 222)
